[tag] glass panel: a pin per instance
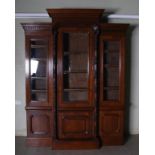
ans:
(39, 96)
(111, 58)
(75, 66)
(75, 80)
(112, 46)
(111, 70)
(37, 83)
(111, 94)
(111, 77)
(75, 95)
(38, 69)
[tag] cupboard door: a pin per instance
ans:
(38, 57)
(39, 123)
(112, 49)
(74, 69)
(111, 123)
(75, 125)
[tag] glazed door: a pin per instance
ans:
(112, 48)
(38, 73)
(75, 69)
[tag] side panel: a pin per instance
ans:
(39, 83)
(112, 83)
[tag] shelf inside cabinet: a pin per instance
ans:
(111, 51)
(110, 66)
(111, 88)
(75, 71)
(39, 90)
(39, 59)
(75, 89)
(38, 78)
(38, 46)
(75, 53)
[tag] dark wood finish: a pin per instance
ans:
(34, 32)
(113, 27)
(39, 113)
(121, 39)
(82, 124)
(112, 127)
(38, 142)
(77, 104)
(75, 15)
(75, 125)
(74, 145)
(78, 121)
(111, 115)
(39, 123)
(37, 28)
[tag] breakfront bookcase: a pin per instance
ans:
(75, 80)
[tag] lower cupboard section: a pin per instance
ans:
(111, 127)
(76, 125)
(39, 127)
(76, 130)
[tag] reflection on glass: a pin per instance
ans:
(75, 66)
(111, 70)
(34, 66)
(38, 65)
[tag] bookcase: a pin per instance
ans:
(75, 80)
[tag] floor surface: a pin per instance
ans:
(131, 147)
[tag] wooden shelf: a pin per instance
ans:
(39, 59)
(111, 51)
(110, 66)
(39, 78)
(68, 72)
(75, 53)
(111, 88)
(39, 91)
(75, 89)
(38, 46)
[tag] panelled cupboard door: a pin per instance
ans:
(39, 123)
(111, 78)
(38, 70)
(111, 125)
(75, 125)
(75, 72)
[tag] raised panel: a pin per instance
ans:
(75, 125)
(39, 123)
(111, 123)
